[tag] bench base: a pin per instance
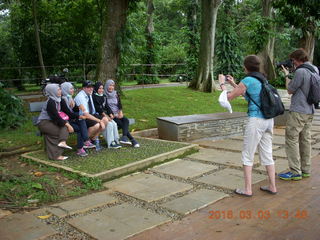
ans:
(192, 127)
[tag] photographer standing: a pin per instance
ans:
(299, 121)
(258, 132)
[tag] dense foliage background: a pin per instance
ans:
(70, 34)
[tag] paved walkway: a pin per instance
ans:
(174, 201)
(124, 88)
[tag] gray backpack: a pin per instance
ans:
(314, 91)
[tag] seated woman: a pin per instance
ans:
(114, 103)
(77, 121)
(110, 134)
(52, 126)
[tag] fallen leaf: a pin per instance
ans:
(38, 174)
(45, 216)
(69, 182)
(37, 186)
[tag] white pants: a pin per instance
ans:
(111, 133)
(258, 133)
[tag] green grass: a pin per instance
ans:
(144, 105)
(111, 158)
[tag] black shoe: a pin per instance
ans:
(125, 140)
(135, 143)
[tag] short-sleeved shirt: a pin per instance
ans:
(83, 98)
(253, 86)
(299, 86)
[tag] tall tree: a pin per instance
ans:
(204, 79)
(267, 53)
(38, 42)
(114, 24)
(304, 15)
(150, 54)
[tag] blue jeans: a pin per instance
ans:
(80, 127)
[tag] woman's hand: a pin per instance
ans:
(120, 114)
(222, 79)
(82, 117)
(285, 71)
(70, 128)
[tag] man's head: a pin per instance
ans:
(299, 57)
(252, 63)
(87, 86)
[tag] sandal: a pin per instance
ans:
(242, 193)
(64, 146)
(267, 190)
(61, 158)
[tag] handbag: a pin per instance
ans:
(63, 116)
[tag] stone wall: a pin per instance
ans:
(192, 127)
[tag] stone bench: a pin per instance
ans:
(192, 127)
(281, 120)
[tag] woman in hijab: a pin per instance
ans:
(52, 126)
(78, 123)
(110, 134)
(114, 103)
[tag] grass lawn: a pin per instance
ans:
(144, 105)
(112, 158)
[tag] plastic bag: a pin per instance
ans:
(223, 100)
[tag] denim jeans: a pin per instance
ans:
(80, 127)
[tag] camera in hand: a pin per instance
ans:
(287, 64)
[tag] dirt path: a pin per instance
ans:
(294, 213)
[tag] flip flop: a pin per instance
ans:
(241, 192)
(267, 190)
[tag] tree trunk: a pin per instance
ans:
(36, 31)
(307, 43)
(150, 56)
(114, 22)
(204, 79)
(267, 53)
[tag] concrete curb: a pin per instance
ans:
(120, 171)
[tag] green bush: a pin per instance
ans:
(12, 114)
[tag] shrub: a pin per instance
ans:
(12, 114)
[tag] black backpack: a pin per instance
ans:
(271, 103)
(314, 91)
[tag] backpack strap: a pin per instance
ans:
(260, 78)
(307, 66)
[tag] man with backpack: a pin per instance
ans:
(299, 121)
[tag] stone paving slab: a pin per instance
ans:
(276, 139)
(147, 187)
(227, 144)
(281, 165)
(24, 227)
(279, 131)
(315, 128)
(118, 222)
(194, 201)
(229, 178)
(316, 146)
(82, 204)
(220, 157)
(184, 169)
(281, 153)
